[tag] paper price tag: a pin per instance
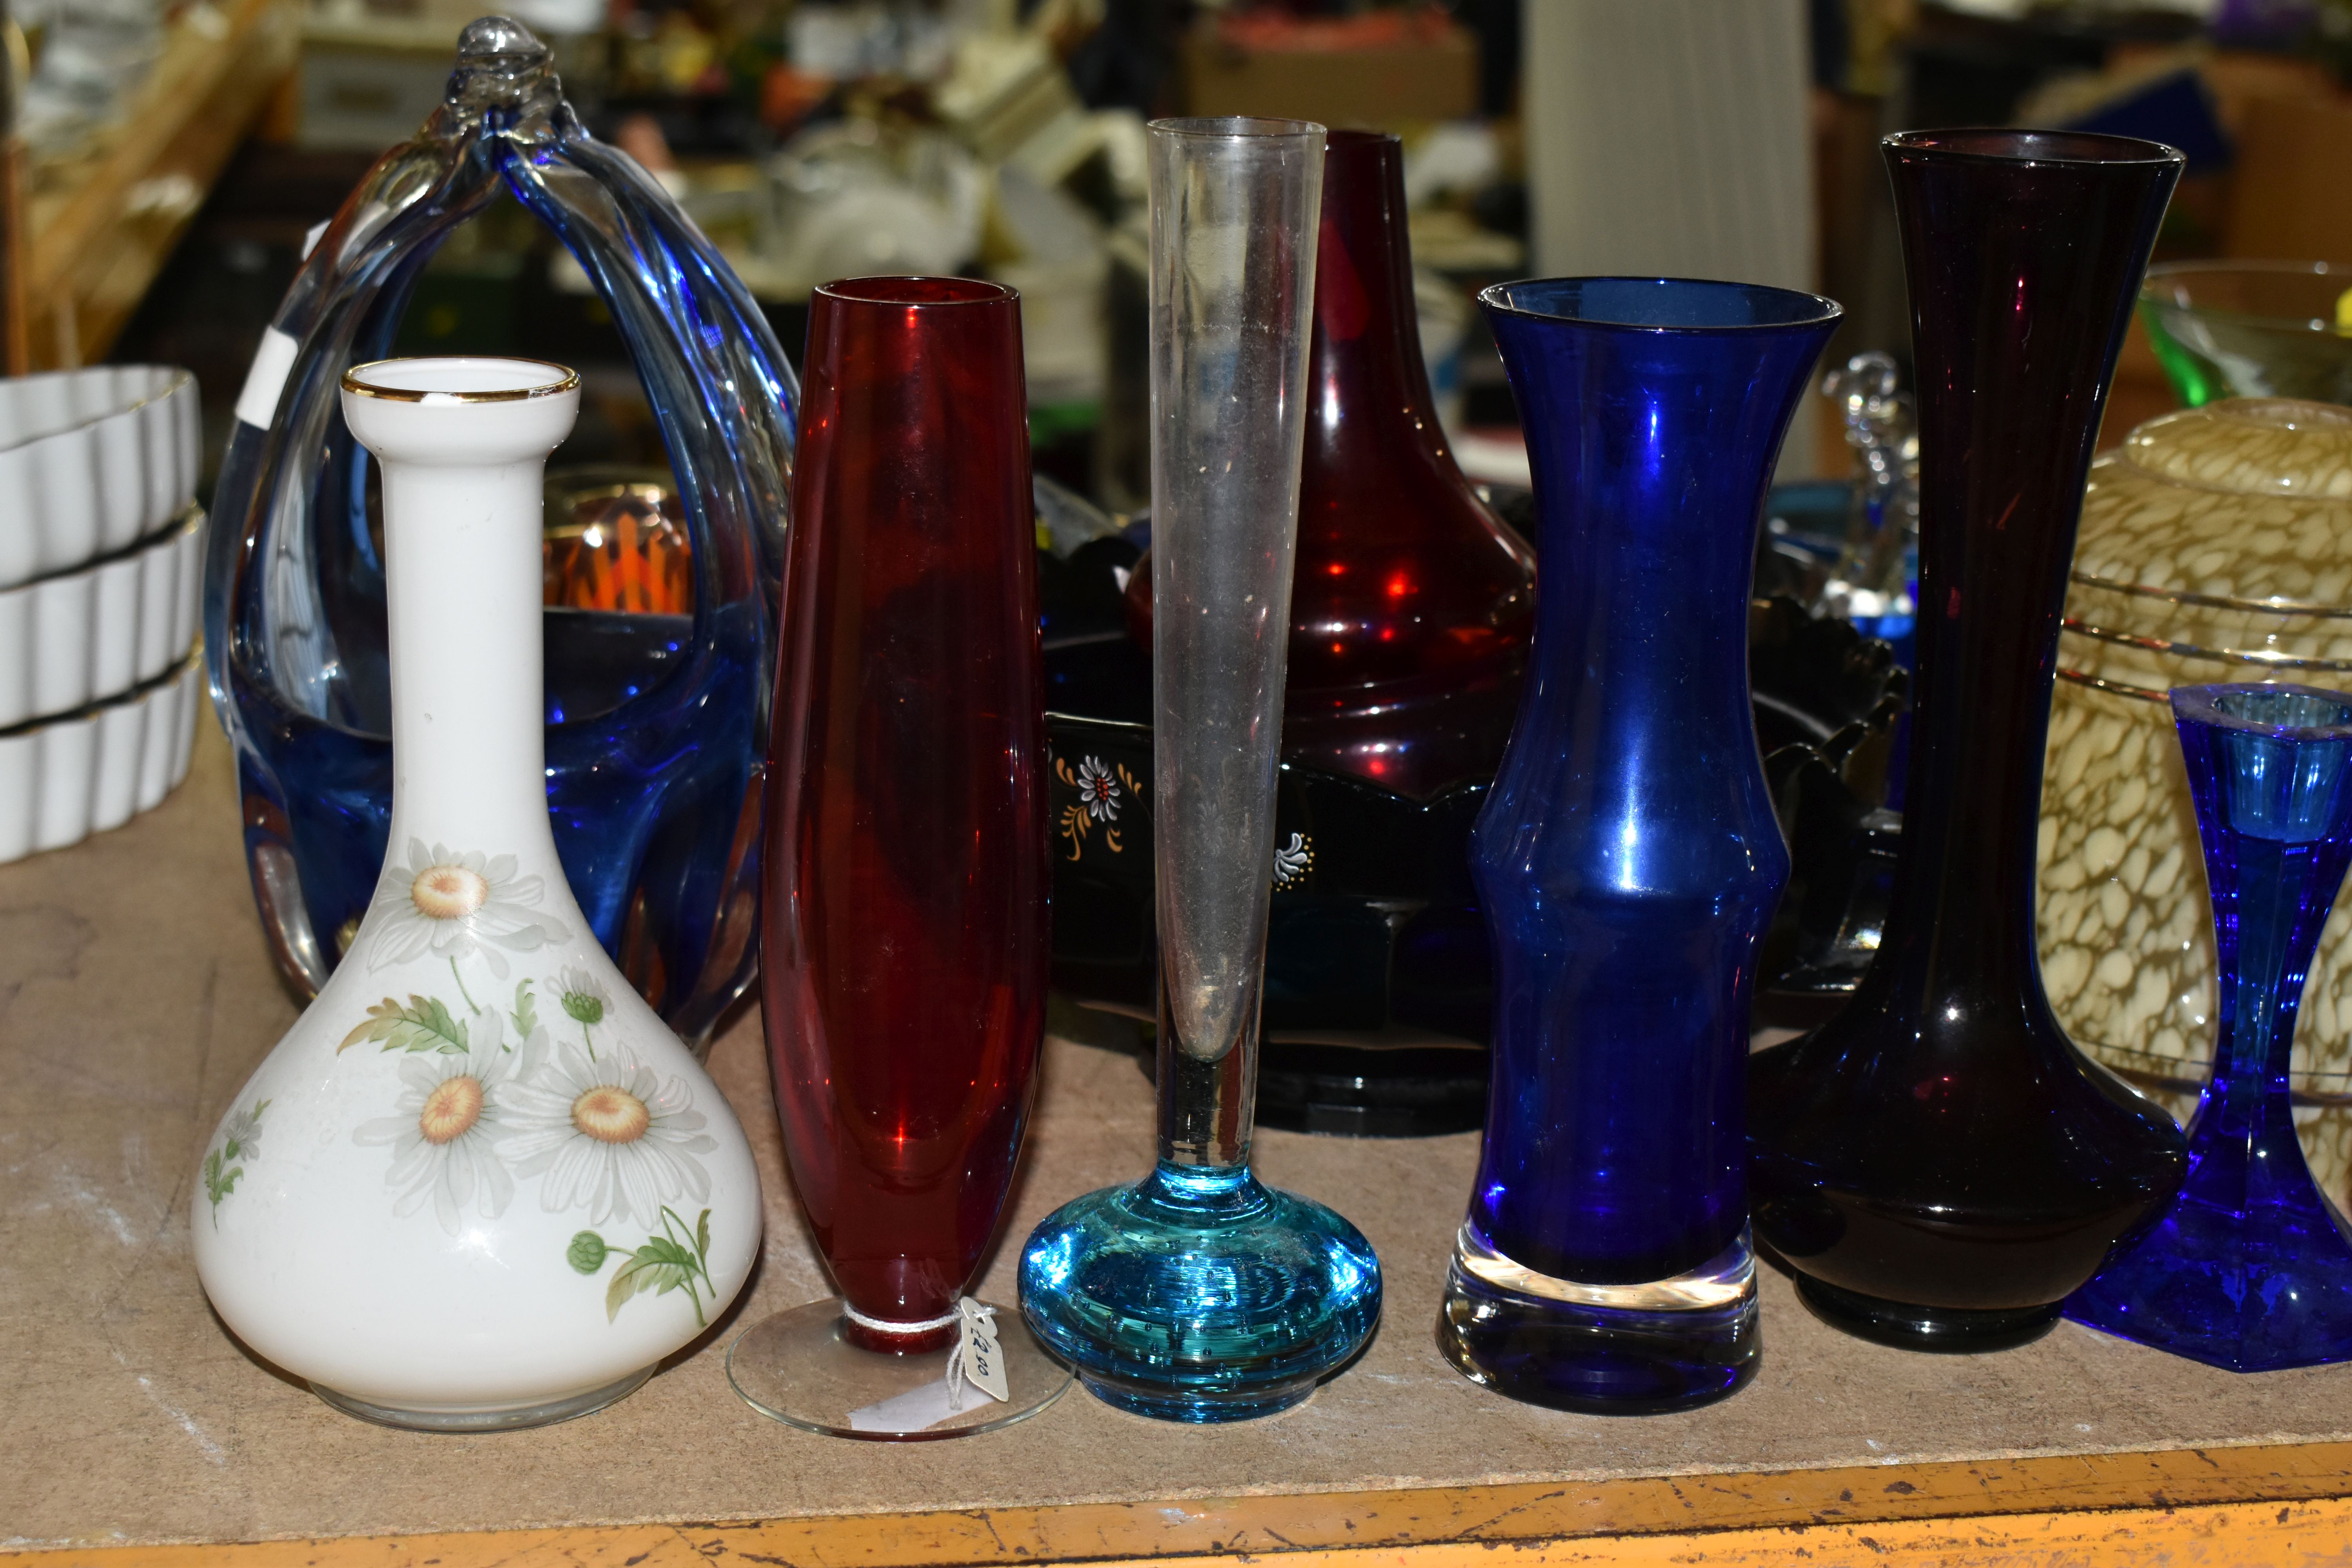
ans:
(976, 1348)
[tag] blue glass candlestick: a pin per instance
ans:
(1199, 1294)
(1628, 858)
(2251, 1267)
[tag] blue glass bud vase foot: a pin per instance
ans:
(1199, 1295)
(2251, 1269)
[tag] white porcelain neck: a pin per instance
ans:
(462, 486)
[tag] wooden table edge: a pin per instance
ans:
(2242, 1496)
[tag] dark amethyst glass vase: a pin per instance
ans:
(1627, 858)
(1939, 1164)
(2251, 1267)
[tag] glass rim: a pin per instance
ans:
(1496, 297)
(2203, 705)
(2164, 271)
(1237, 128)
(356, 380)
(2010, 144)
(982, 291)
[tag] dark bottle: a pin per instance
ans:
(1412, 606)
(1938, 1163)
(1412, 609)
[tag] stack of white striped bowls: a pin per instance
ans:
(102, 561)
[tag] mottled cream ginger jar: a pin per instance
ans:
(2216, 546)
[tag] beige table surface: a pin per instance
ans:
(135, 995)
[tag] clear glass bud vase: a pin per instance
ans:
(1199, 1294)
(656, 723)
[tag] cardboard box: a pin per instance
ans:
(1383, 69)
(2288, 191)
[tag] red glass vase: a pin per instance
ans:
(905, 945)
(1413, 605)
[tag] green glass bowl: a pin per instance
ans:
(2251, 328)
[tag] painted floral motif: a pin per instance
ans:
(526, 1010)
(585, 1002)
(426, 1023)
(449, 1123)
(1291, 861)
(608, 1135)
(458, 905)
(240, 1144)
(677, 1259)
(1100, 790)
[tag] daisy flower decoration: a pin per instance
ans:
(456, 905)
(447, 1125)
(608, 1136)
(242, 1134)
(584, 1003)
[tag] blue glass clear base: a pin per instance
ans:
(1198, 1294)
(2257, 1284)
(1603, 1350)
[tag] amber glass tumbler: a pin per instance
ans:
(904, 950)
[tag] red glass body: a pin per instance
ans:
(1412, 605)
(905, 942)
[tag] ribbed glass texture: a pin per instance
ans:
(1628, 858)
(905, 945)
(656, 723)
(2251, 1267)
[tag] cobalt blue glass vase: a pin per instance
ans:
(656, 723)
(2251, 1267)
(1628, 858)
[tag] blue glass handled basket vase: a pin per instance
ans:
(2251, 1267)
(1628, 858)
(656, 723)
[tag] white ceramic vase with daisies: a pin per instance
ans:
(479, 1183)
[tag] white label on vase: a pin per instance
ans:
(978, 1356)
(272, 362)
